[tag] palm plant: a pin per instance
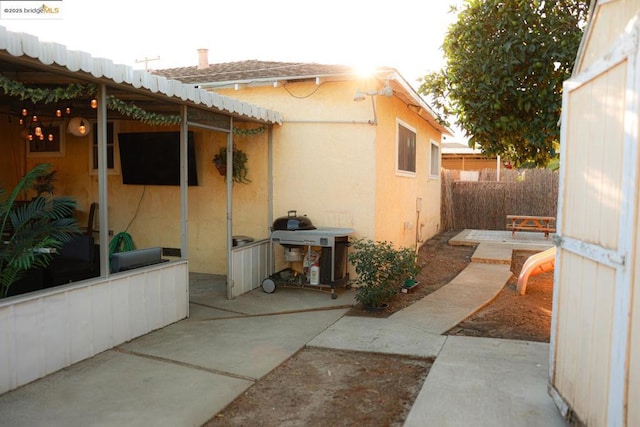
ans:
(29, 231)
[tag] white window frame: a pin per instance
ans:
(116, 152)
(434, 174)
(399, 171)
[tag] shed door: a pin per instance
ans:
(596, 239)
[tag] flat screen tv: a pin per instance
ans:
(153, 158)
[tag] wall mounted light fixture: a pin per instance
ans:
(386, 91)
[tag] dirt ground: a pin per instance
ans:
(319, 387)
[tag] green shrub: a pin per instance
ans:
(379, 268)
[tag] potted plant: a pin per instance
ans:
(376, 268)
(408, 268)
(239, 162)
(44, 182)
(30, 230)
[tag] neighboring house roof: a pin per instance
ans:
(28, 50)
(254, 71)
(260, 73)
(458, 148)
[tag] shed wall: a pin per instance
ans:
(608, 23)
(595, 340)
(594, 139)
(583, 335)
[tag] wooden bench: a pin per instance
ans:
(545, 224)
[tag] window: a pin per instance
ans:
(45, 147)
(112, 166)
(434, 166)
(406, 149)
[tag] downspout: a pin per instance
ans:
(373, 122)
(229, 179)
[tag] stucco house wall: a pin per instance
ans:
(334, 164)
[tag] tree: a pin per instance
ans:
(505, 62)
(26, 229)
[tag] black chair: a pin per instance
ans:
(91, 220)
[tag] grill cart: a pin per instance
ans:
(299, 237)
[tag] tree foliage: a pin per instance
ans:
(506, 61)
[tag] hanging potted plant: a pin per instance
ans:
(239, 162)
(44, 182)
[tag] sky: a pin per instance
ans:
(403, 34)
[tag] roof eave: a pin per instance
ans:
(269, 81)
(424, 110)
(26, 47)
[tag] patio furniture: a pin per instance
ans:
(545, 224)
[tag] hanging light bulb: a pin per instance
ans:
(25, 112)
(30, 137)
(21, 121)
(78, 126)
(67, 110)
(94, 103)
(34, 118)
(58, 112)
(50, 137)
(38, 131)
(41, 136)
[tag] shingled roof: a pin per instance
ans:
(255, 70)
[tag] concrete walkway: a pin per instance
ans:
(185, 373)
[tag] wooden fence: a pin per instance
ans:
(485, 203)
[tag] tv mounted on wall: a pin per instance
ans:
(153, 158)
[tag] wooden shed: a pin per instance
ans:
(595, 337)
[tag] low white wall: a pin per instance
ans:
(250, 266)
(45, 332)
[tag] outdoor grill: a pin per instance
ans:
(295, 231)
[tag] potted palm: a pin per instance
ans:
(29, 231)
(375, 263)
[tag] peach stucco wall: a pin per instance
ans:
(333, 165)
